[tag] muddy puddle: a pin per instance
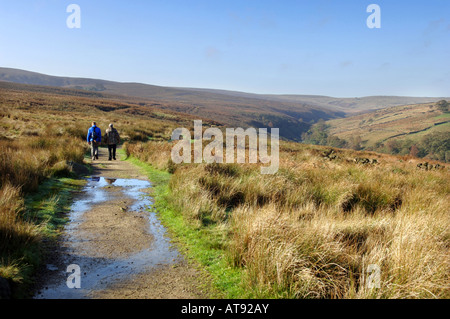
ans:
(90, 271)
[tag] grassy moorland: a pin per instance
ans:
(293, 113)
(31, 197)
(42, 142)
(309, 231)
(312, 229)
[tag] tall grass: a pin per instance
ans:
(24, 164)
(312, 229)
(15, 232)
(40, 135)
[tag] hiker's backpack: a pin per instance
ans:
(94, 135)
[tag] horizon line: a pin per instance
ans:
(215, 89)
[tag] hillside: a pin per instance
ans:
(385, 124)
(313, 229)
(230, 109)
(293, 114)
(308, 231)
(29, 111)
(352, 106)
(409, 129)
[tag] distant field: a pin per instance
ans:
(410, 121)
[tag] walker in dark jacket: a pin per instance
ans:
(112, 138)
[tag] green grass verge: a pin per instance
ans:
(203, 245)
(50, 205)
(47, 208)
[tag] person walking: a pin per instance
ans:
(112, 138)
(94, 138)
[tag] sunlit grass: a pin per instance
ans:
(312, 229)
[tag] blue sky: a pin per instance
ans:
(283, 47)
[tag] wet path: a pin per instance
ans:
(115, 244)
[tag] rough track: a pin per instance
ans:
(108, 233)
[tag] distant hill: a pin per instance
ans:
(355, 105)
(293, 114)
(421, 130)
(229, 109)
(348, 106)
(386, 124)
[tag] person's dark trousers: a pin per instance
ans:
(112, 151)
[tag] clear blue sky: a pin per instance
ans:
(293, 47)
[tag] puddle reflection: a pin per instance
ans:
(110, 180)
